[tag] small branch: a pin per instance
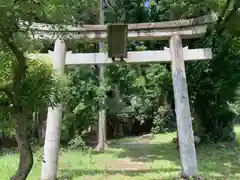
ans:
(228, 14)
(223, 12)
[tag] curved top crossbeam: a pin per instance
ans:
(190, 28)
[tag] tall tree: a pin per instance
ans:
(18, 99)
(28, 87)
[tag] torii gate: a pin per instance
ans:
(174, 31)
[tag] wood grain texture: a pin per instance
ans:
(203, 20)
(141, 34)
(189, 28)
(182, 108)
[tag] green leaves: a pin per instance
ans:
(5, 68)
(38, 87)
(81, 106)
(140, 82)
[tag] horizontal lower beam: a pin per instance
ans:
(133, 57)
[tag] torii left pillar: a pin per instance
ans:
(54, 117)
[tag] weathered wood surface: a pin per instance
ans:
(138, 26)
(54, 116)
(133, 57)
(182, 108)
(102, 125)
(190, 28)
(96, 36)
(117, 33)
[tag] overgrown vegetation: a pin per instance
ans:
(139, 98)
(158, 159)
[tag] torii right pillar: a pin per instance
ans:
(182, 108)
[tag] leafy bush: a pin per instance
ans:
(164, 121)
(77, 142)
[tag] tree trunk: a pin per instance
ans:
(120, 129)
(102, 143)
(26, 156)
(120, 132)
(71, 131)
(3, 139)
(42, 118)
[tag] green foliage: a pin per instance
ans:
(37, 87)
(74, 12)
(144, 92)
(81, 102)
(40, 87)
(216, 87)
(159, 121)
(125, 11)
(77, 142)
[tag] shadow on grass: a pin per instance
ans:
(222, 160)
(219, 161)
(145, 152)
(73, 173)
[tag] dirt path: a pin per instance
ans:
(132, 164)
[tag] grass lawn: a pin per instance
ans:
(136, 159)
